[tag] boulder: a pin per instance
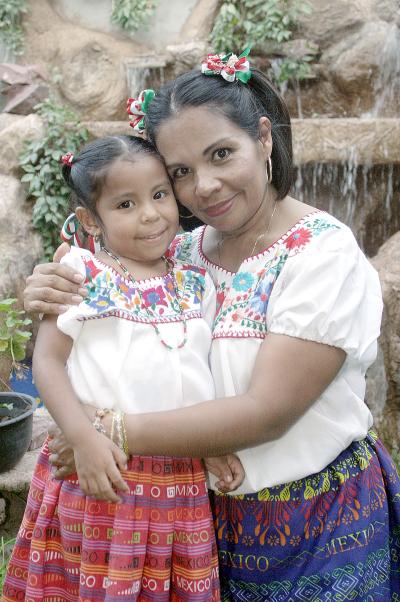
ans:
(89, 64)
(362, 61)
(387, 262)
(330, 21)
(20, 247)
(11, 140)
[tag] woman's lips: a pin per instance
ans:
(219, 208)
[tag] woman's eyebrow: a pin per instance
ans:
(205, 151)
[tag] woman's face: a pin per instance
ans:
(217, 169)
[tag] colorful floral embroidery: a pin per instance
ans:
(242, 298)
(112, 295)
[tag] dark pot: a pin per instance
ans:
(16, 432)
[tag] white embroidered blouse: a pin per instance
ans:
(314, 283)
(118, 360)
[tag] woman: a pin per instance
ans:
(296, 325)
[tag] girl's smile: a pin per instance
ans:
(136, 210)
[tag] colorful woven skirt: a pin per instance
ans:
(157, 544)
(334, 536)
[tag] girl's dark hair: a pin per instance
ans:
(243, 104)
(88, 170)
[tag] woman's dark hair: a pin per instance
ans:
(243, 104)
(87, 171)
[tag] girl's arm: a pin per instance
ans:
(288, 376)
(95, 455)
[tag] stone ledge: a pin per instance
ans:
(18, 479)
(323, 140)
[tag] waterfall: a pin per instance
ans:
(387, 83)
(143, 69)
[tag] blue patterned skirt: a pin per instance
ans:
(333, 536)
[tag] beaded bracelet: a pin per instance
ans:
(99, 414)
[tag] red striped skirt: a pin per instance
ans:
(157, 544)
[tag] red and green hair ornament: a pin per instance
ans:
(67, 158)
(229, 66)
(73, 233)
(137, 108)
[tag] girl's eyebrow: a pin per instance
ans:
(132, 193)
(205, 151)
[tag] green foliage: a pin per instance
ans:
(13, 333)
(291, 68)
(11, 34)
(5, 551)
(131, 15)
(242, 23)
(40, 161)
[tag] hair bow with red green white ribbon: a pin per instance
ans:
(229, 66)
(137, 107)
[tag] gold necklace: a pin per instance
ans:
(222, 240)
(170, 271)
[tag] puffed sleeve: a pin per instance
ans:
(69, 322)
(329, 293)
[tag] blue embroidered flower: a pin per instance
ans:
(101, 302)
(260, 299)
(242, 281)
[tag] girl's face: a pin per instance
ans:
(137, 209)
(217, 169)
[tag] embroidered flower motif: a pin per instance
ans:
(154, 296)
(247, 540)
(298, 238)
(295, 540)
(91, 270)
(102, 301)
(220, 301)
(347, 519)
(242, 281)
(273, 540)
(169, 285)
(261, 295)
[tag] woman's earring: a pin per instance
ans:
(97, 237)
(269, 170)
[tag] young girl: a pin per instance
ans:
(138, 342)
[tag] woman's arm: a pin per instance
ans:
(96, 456)
(288, 376)
(52, 286)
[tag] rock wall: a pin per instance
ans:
(358, 71)
(384, 383)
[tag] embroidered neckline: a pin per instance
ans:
(139, 281)
(271, 247)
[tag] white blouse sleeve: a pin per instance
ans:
(68, 321)
(329, 293)
(209, 302)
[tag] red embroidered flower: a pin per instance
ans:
(220, 300)
(154, 296)
(298, 238)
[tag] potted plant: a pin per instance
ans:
(16, 409)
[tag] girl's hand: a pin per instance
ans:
(229, 471)
(52, 287)
(98, 464)
(62, 454)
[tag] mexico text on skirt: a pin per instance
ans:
(333, 536)
(157, 544)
